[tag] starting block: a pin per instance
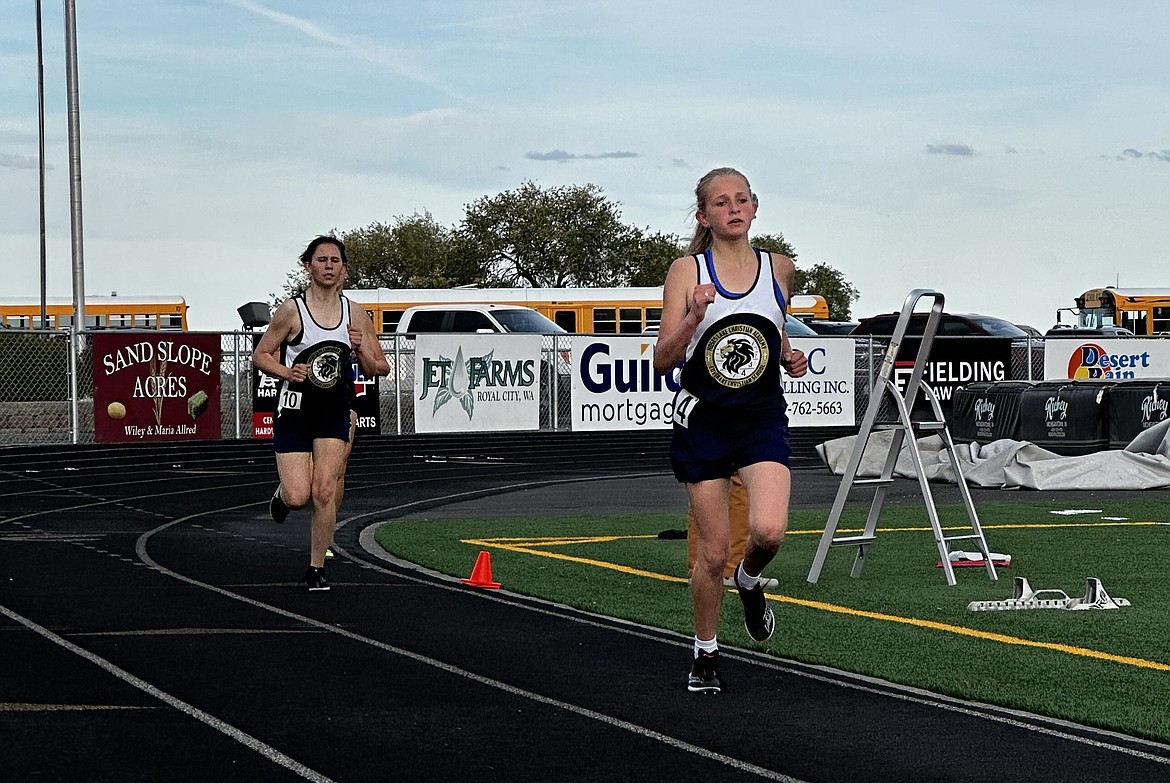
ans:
(1024, 597)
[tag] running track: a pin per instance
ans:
(153, 628)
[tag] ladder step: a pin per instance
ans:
(927, 426)
(853, 540)
(872, 482)
(962, 538)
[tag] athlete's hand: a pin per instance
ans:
(298, 373)
(355, 337)
(795, 362)
(702, 296)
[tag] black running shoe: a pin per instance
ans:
(704, 676)
(315, 578)
(757, 615)
(277, 508)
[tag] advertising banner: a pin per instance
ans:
(954, 362)
(614, 386)
(824, 396)
(155, 387)
(476, 382)
(1106, 359)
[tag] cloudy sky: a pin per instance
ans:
(1007, 154)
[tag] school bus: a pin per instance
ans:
(630, 310)
(101, 312)
(1144, 311)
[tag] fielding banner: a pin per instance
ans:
(149, 387)
(1120, 358)
(476, 382)
(614, 386)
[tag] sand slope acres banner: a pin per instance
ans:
(155, 387)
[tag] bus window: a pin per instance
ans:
(653, 317)
(390, 319)
(566, 319)
(1161, 322)
(605, 320)
(147, 321)
(630, 320)
(173, 322)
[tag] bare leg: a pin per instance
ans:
(709, 505)
(769, 486)
(328, 455)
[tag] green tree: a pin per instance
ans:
(562, 236)
(648, 258)
(820, 278)
(412, 252)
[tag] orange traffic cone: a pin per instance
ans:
(481, 575)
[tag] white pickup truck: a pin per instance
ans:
(475, 319)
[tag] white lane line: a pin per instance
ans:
(269, 752)
(643, 731)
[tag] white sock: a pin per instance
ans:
(744, 579)
(706, 645)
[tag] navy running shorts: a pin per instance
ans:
(718, 440)
(294, 431)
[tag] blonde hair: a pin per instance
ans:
(702, 238)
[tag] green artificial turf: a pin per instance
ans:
(899, 621)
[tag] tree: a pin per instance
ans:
(823, 279)
(649, 257)
(413, 252)
(562, 236)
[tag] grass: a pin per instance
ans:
(900, 621)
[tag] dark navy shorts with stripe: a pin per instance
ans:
(295, 431)
(719, 440)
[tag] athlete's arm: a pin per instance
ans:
(286, 322)
(792, 360)
(366, 348)
(683, 306)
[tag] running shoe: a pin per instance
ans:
(315, 578)
(277, 508)
(757, 615)
(704, 677)
(766, 582)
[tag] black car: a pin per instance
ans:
(832, 327)
(951, 325)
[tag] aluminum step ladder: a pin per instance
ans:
(886, 388)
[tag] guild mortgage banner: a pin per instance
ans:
(149, 387)
(1119, 358)
(615, 387)
(479, 382)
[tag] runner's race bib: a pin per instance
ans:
(290, 400)
(684, 404)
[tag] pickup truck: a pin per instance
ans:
(475, 319)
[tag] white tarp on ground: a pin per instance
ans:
(1011, 464)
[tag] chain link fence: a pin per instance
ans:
(42, 403)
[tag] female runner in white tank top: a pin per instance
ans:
(723, 319)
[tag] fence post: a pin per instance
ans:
(75, 337)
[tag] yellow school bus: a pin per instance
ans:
(1144, 311)
(630, 310)
(101, 312)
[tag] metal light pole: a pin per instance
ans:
(75, 200)
(41, 162)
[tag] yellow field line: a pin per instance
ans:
(818, 605)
